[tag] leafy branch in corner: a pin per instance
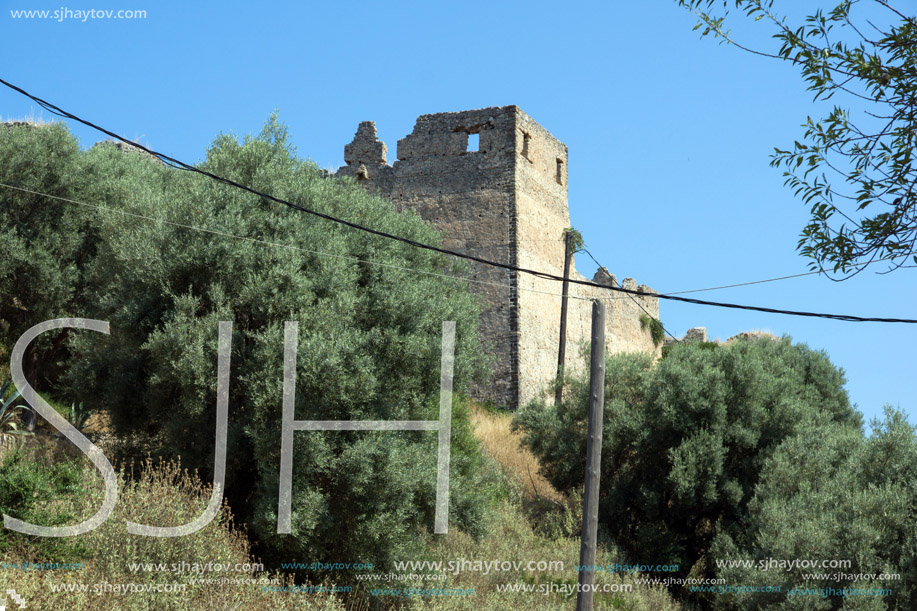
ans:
(856, 171)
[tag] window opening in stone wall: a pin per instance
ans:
(560, 171)
(525, 145)
(474, 143)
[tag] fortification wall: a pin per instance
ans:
(504, 200)
(541, 210)
(470, 196)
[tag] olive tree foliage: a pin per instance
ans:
(370, 314)
(846, 497)
(44, 244)
(40, 240)
(855, 168)
(685, 440)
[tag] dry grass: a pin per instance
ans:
(30, 119)
(505, 448)
(513, 538)
(531, 530)
(162, 495)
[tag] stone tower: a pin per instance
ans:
(495, 183)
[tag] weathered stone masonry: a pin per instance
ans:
(507, 202)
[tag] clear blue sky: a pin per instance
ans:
(669, 134)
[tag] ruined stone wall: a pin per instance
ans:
(543, 215)
(541, 210)
(469, 195)
(623, 331)
(365, 159)
(507, 202)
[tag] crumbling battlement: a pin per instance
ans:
(365, 158)
(495, 183)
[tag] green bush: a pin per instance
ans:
(31, 492)
(847, 497)
(685, 440)
(45, 243)
(654, 325)
(42, 239)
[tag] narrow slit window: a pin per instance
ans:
(474, 143)
(525, 145)
(560, 171)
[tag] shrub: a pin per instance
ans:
(847, 497)
(685, 440)
(654, 325)
(45, 242)
(33, 492)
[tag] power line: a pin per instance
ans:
(180, 164)
(729, 286)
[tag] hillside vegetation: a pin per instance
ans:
(162, 255)
(744, 452)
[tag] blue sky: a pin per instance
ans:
(669, 134)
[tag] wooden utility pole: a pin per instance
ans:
(562, 349)
(593, 458)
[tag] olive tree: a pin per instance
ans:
(685, 440)
(177, 252)
(847, 497)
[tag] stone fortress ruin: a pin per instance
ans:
(495, 183)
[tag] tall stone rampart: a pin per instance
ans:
(494, 182)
